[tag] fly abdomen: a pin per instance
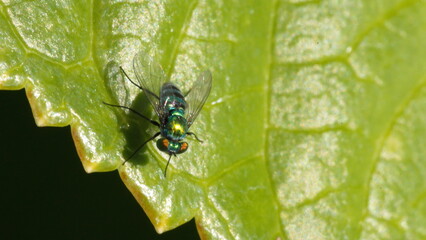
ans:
(171, 99)
(169, 89)
(175, 125)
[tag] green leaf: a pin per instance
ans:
(314, 129)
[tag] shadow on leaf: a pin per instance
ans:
(133, 126)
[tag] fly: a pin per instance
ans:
(176, 112)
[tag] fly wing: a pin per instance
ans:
(151, 78)
(197, 96)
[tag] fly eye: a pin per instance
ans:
(183, 147)
(163, 144)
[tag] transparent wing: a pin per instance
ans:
(151, 78)
(197, 96)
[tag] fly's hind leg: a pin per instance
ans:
(135, 112)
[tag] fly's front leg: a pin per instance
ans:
(143, 144)
(193, 134)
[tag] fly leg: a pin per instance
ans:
(186, 94)
(135, 112)
(143, 144)
(193, 134)
(128, 78)
(137, 85)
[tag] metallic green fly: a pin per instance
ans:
(176, 111)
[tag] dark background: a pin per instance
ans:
(46, 194)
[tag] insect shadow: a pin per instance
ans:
(131, 125)
(135, 132)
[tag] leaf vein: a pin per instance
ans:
(182, 34)
(209, 181)
(382, 140)
(268, 100)
(381, 20)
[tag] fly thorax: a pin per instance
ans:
(176, 126)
